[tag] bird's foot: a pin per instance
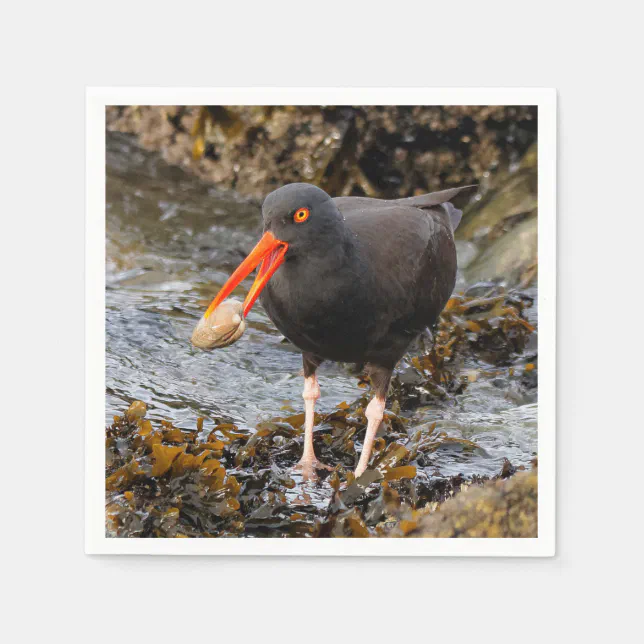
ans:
(308, 467)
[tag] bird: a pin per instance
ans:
(353, 280)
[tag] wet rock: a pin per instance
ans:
(530, 376)
(515, 195)
(504, 225)
(512, 258)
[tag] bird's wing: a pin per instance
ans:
(386, 229)
(394, 240)
(408, 251)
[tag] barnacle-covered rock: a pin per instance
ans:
(503, 508)
(379, 151)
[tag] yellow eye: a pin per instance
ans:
(301, 215)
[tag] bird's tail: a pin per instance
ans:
(454, 215)
(441, 198)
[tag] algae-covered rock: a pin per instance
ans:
(502, 508)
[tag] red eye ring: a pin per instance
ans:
(301, 215)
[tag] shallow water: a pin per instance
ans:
(172, 241)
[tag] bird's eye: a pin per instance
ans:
(301, 215)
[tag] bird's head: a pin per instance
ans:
(302, 216)
(300, 220)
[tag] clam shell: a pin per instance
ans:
(223, 326)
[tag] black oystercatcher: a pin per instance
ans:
(351, 279)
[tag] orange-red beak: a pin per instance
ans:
(270, 252)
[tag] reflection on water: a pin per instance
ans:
(171, 243)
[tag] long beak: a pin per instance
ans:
(270, 252)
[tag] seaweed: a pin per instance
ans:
(490, 329)
(163, 481)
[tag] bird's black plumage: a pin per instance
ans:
(350, 279)
(362, 277)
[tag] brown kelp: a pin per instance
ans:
(226, 481)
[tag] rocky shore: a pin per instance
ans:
(168, 482)
(384, 152)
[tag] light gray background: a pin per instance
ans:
(51, 51)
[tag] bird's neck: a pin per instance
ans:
(340, 255)
(336, 253)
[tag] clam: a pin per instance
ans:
(221, 328)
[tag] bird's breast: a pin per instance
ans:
(323, 313)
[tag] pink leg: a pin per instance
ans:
(309, 463)
(374, 412)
